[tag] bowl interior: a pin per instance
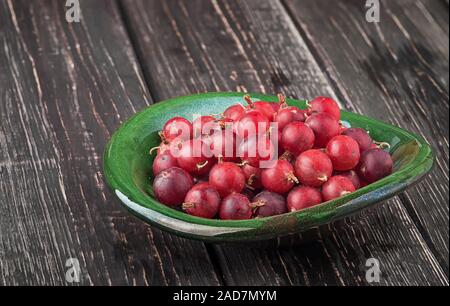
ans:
(128, 165)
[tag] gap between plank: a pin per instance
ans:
(341, 95)
(152, 92)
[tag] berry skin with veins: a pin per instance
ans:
(352, 176)
(205, 125)
(325, 127)
(256, 149)
(236, 206)
(227, 178)
(280, 178)
(171, 186)
(313, 168)
(163, 162)
(264, 107)
(344, 152)
(361, 137)
(324, 105)
(195, 157)
(374, 165)
(234, 112)
(269, 204)
(336, 187)
(297, 137)
(303, 197)
(202, 201)
(177, 127)
(251, 123)
(287, 115)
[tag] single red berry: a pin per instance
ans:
(303, 197)
(256, 149)
(374, 165)
(227, 178)
(297, 137)
(264, 107)
(236, 206)
(287, 115)
(163, 162)
(252, 176)
(324, 126)
(280, 178)
(171, 186)
(268, 204)
(343, 152)
(336, 187)
(352, 176)
(205, 125)
(195, 157)
(325, 105)
(313, 168)
(252, 123)
(223, 145)
(202, 201)
(177, 127)
(234, 112)
(361, 136)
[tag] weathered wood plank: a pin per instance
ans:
(196, 46)
(402, 66)
(64, 87)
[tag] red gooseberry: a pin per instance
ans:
(256, 149)
(324, 126)
(297, 137)
(303, 197)
(324, 105)
(195, 157)
(202, 201)
(336, 187)
(171, 186)
(361, 136)
(234, 112)
(251, 123)
(352, 176)
(268, 204)
(205, 125)
(262, 106)
(280, 178)
(227, 178)
(343, 152)
(177, 127)
(313, 168)
(374, 165)
(163, 162)
(236, 206)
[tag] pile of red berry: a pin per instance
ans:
(264, 159)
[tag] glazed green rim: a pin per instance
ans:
(262, 228)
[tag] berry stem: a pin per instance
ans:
(185, 206)
(382, 145)
(249, 101)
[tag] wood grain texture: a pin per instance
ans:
(402, 65)
(197, 46)
(64, 87)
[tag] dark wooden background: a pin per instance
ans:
(65, 87)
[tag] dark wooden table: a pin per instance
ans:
(65, 87)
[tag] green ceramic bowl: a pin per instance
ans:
(127, 167)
